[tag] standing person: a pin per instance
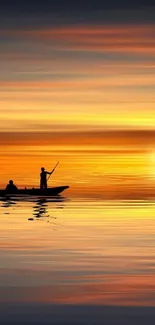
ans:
(43, 178)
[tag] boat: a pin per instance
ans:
(51, 191)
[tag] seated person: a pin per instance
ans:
(11, 188)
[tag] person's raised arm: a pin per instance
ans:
(49, 173)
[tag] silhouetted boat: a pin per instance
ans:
(51, 191)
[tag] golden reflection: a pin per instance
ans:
(102, 254)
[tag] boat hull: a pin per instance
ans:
(52, 191)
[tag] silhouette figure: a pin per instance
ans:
(43, 178)
(11, 188)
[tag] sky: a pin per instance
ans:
(75, 67)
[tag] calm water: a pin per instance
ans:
(77, 251)
(92, 248)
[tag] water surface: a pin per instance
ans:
(77, 250)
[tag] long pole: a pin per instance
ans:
(53, 170)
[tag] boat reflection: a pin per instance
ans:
(7, 202)
(44, 207)
(41, 208)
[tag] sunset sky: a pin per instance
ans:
(76, 67)
(76, 76)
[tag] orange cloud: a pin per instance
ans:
(125, 138)
(123, 38)
(42, 90)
